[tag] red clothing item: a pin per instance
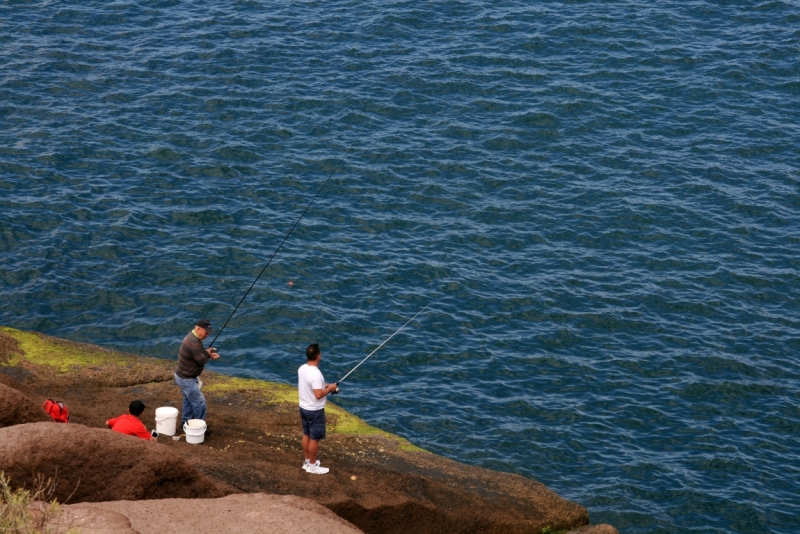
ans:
(130, 425)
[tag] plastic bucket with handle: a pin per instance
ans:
(166, 420)
(195, 430)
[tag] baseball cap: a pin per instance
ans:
(203, 323)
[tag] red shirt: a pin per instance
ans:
(130, 425)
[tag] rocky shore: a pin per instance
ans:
(248, 472)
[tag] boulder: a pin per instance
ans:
(95, 464)
(255, 513)
(89, 520)
(17, 409)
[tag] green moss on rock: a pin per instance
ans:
(61, 355)
(342, 422)
(64, 356)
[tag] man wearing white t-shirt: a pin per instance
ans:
(312, 389)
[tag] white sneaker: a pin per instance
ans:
(306, 464)
(317, 469)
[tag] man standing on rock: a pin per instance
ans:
(192, 357)
(312, 389)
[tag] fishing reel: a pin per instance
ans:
(335, 391)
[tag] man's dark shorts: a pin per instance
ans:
(313, 423)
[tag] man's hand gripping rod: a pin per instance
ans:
(376, 350)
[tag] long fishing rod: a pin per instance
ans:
(376, 350)
(275, 254)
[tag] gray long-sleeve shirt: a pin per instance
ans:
(192, 357)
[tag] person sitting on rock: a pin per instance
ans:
(129, 423)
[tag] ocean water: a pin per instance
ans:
(598, 200)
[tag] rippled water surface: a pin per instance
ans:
(600, 201)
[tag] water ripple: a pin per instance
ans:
(599, 199)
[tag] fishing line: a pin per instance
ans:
(376, 350)
(275, 254)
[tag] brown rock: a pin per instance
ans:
(94, 464)
(17, 409)
(255, 448)
(255, 513)
(594, 529)
(89, 520)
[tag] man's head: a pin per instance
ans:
(136, 408)
(313, 353)
(202, 328)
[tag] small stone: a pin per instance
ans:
(353, 477)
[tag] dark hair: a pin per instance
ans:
(312, 352)
(136, 407)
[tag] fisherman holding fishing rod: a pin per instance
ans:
(192, 358)
(312, 391)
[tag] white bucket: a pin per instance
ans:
(195, 430)
(166, 420)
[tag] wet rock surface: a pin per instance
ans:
(594, 529)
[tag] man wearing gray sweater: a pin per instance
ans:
(192, 358)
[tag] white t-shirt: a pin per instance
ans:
(309, 378)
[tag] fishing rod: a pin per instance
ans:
(376, 350)
(275, 254)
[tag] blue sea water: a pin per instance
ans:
(600, 201)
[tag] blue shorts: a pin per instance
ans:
(313, 423)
